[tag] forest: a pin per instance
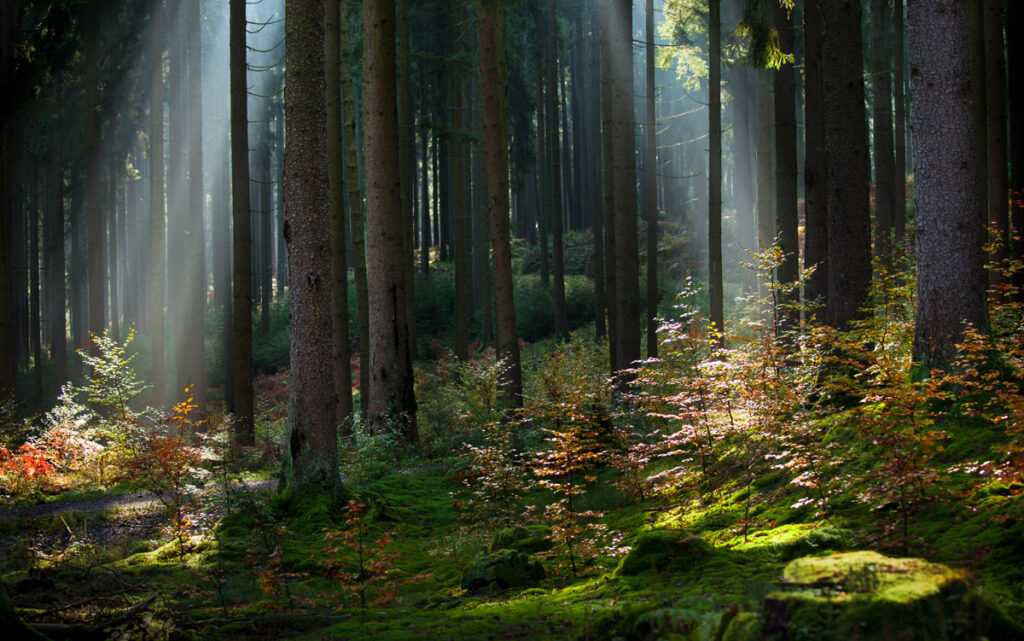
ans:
(512, 319)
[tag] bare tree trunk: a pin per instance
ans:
(241, 217)
(995, 141)
(7, 359)
(311, 456)
(55, 259)
(407, 171)
(651, 168)
(196, 288)
(392, 399)
(849, 214)
(881, 109)
(786, 217)
(608, 183)
(715, 290)
(93, 180)
(494, 80)
(342, 346)
(947, 187)
(555, 174)
(900, 126)
(815, 157)
(460, 206)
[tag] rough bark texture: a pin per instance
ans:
(715, 290)
(881, 115)
(951, 278)
(342, 347)
(310, 456)
(392, 402)
(157, 264)
(786, 217)
(815, 158)
(849, 214)
(493, 85)
(407, 158)
(241, 217)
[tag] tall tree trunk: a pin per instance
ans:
(112, 252)
(715, 291)
(177, 202)
(34, 320)
(1015, 93)
(743, 167)
(608, 184)
(555, 175)
(849, 213)
(881, 109)
(995, 140)
(7, 367)
(460, 205)
(56, 269)
(220, 206)
(311, 457)
(342, 346)
(493, 85)
(241, 232)
(595, 167)
(947, 187)
(899, 126)
(425, 202)
(158, 370)
(407, 167)
(623, 179)
(392, 399)
(355, 212)
(786, 217)
(195, 291)
(815, 158)
(764, 154)
(651, 166)
(93, 179)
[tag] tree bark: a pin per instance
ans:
(311, 455)
(342, 346)
(555, 173)
(93, 180)
(195, 230)
(995, 141)
(392, 403)
(947, 188)
(241, 217)
(815, 159)
(157, 264)
(849, 211)
(881, 110)
(651, 167)
(899, 125)
(786, 217)
(493, 84)
(715, 291)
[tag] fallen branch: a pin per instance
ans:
(69, 631)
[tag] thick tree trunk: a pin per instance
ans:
(899, 126)
(311, 454)
(608, 184)
(407, 171)
(948, 190)
(241, 217)
(849, 210)
(494, 81)
(1015, 92)
(815, 159)
(342, 345)
(392, 399)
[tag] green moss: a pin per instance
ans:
(663, 550)
(528, 539)
(741, 626)
(816, 541)
(502, 570)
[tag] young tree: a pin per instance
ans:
(951, 278)
(392, 398)
(241, 312)
(493, 84)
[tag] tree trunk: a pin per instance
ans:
(555, 174)
(460, 205)
(815, 159)
(241, 217)
(608, 184)
(786, 217)
(995, 141)
(899, 126)
(392, 403)
(196, 287)
(881, 109)
(157, 265)
(494, 81)
(407, 170)
(55, 258)
(93, 180)
(715, 292)
(311, 457)
(651, 169)
(948, 189)
(355, 212)
(849, 213)
(1015, 92)
(342, 346)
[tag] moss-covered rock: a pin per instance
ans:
(525, 538)
(502, 570)
(740, 626)
(662, 550)
(868, 596)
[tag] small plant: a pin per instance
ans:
(494, 478)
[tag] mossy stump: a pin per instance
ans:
(524, 538)
(662, 550)
(865, 596)
(502, 570)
